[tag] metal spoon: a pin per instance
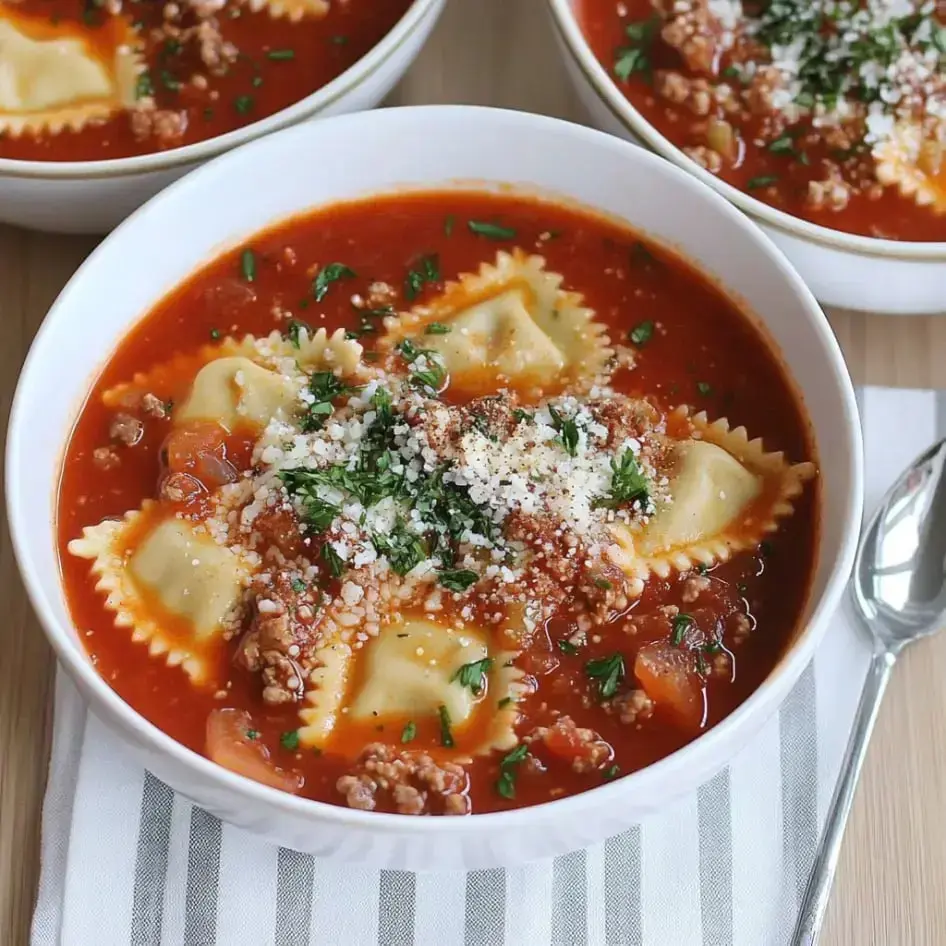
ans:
(899, 591)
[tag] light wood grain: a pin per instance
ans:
(891, 886)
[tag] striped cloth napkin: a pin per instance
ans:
(127, 861)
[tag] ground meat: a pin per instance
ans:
(154, 406)
(626, 418)
(105, 458)
(739, 626)
(583, 748)
(216, 53)
(694, 32)
(126, 429)
(281, 639)
(831, 194)
(633, 706)
(693, 587)
(412, 783)
(166, 126)
(180, 488)
(705, 157)
(279, 528)
(695, 94)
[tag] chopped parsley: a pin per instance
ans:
(608, 672)
(333, 560)
(763, 180)
(448, 225)
(430, 378)
(704, 388)
(642, 333)
(437, 328)
(472, 674)
(628, 483)
(408, 732)
(508, 769)
(248, 265)
(252, 734)
(298, 585)
(243, 104)
(294, 328)
(281, 55)
(567, 647)
(324, 386)
(144, 88)
(446, 737)
(457, 579)
(680, 624)
(290, 740)
(603, 584)
(427, 271)
(403, 549)
(492, 231)
(567, 431)
(215, 334)
(520, 416)
(635, 56)
(327, 275)
(611, 772)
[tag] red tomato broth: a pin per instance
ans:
(703, 352)
(257, 84)
(887, 215)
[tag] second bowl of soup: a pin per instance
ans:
(823, 121)
(438, 499)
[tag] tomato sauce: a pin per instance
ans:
(703, 351)
(777, 172)
(276, 63)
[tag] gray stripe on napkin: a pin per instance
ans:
(570, 900)
(295, 873)
(485, 911)
(623, 861)
(715, 844)
(203, 875)
(941, 414)
(798, 735)
(396, 900)
(151, 862)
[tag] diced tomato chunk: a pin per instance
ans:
(565, 741)
(230, 744)
(668, 676)
(200, 449)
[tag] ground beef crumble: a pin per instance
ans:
(410, 782)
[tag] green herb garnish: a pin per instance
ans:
(408, 732)
(612, 771)
(427, 271)
(458, 579)
(281, 55)
(252, 734)
(608, 672)
(471, 675)
(290, 740)
(635, 56)
(243, 104)
(628, 483)
(248, 265)
(403, 549)
(446, 737)
(763, 180)
(567, 431)
(506, 783)
(567, 647)
(327, 275)
(680, 624)
(492, 231)
(642, 333)
(704, 388)
(437, 328)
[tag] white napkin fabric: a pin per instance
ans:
(125, 860)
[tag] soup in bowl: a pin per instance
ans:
(449, 509)
(823, 121)
(103, 103)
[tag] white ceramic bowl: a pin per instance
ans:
(237, 195)
(841, 269)
(95, 196)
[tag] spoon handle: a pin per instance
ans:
(815, 901)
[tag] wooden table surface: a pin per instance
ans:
(891, 885)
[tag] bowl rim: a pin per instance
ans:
(207, 148)
(565, 20)
(701, 750)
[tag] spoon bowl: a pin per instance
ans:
(899, 592)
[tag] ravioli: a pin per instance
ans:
(292, 9)
(286, 364)
(233, 391)
(512, 323)
(411, 671)
(164, 573)
(57, 76)
(726, 493)
(914, 165)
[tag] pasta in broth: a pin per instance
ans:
(479, 525)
